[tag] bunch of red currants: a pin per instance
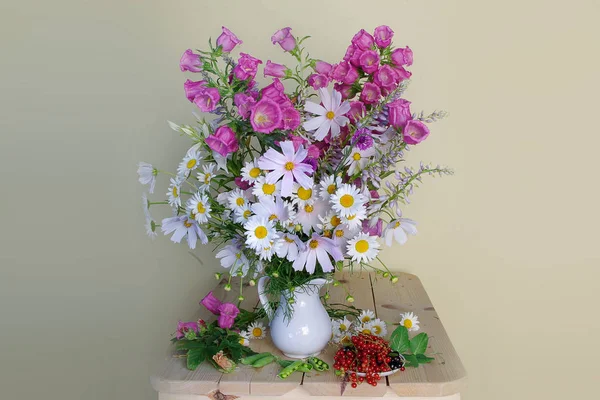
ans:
(369, 354)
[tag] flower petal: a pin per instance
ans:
(315, 108)
(343, 108)
(336, 99)
(288, 149)
(287, 185)
(325, 98)
(335, 129)
(324, 260)
(323, 130)
(314, 123)
(311, 262)
(302, 179)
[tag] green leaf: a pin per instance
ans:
(399, 339)
(423, 359)
(194, 358)
(411, 360)
(418, 344)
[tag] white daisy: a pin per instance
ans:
(308, 216)
(303, 195)
(243, 213)
(358, 159)
(174, 193)
(289, 246)
(329, 185)
(223, 198)
(330, 114)
(366, 316)
(260, 232)
(257, 330)
(190, 162)
(330, 221)
(150, 224)
(184, 226)
(341, 326)
(319, 249)
(147, 175)
(267, 252)
(363, 248)
(343, 339)
(354, 221)
(244, 338)
(206, 176)
(251, 172)
(264, 189)
(199, 205)
(379, 327)
(236, 199)
(347, 200)
(274, 209)
(221, 161)
(410, 321)
(365, 327)
(233, 258)
(399, 230)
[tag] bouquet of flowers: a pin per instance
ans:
(303, 175)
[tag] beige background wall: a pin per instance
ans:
(508, 247)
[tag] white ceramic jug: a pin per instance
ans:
(308, 329)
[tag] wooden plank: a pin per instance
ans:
(445, 375)
(297, 394)
(326, 383)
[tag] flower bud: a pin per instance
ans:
(241, 298)
(336, 283)
(386, 274)
(327, 296)
(252, 282)
(350, 299)
(275, 274)
(190, 335)
(227, 287)
(394, 279)
(218, 275)
(291, 300)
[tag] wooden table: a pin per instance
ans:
(444, 378)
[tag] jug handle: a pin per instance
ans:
(264, 300)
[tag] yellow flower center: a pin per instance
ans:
(377, 329)
(207, 179)
(351, 217)
(330, 115)
(239, 201)
(257, 332)
(408, 323)
(331, 189)
(247, 214)
(343, 327)
(191, 164)
(260, 118)
(304, 194)
(335, 221)
(347, 200)
(313, 244)
(187, 224)
(366, 331)
(339, 233)
(356, 156)
(260, 232)
(366, 318)
(362, 246)
(175, 194)
(201, 209)
(254, 172)
(287, 239)
(272, 217)
(289, 165)
(327, 233)
(397, 224)
(308, 208)
(238, 255)
(241, 341)
(268, 188)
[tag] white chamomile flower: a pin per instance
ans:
(264, 189)
(223, 198)
(244, 338)
(363, 248)
(354, 221)
(308, 216)
(150, 224)
(341, 326)
(347, 200)
(330, 221)
(399, 230)
(243, 213)
(344, 339)
(366, 316)
(174, 193)
(236, 199)
(303, 195)
(190, 162)
(289, 246)
(358, 159)
(206, 176)
(267, 252)
(251, 172)
(410, 321)
(274, 209)
(199, 205)
(147, 175)
(379, 327)
(260, 232)
(366, 328)
(233, 258)
(329, 185)
(257, 330)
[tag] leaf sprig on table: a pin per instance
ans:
(413, 349)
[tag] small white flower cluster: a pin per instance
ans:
(367, 323)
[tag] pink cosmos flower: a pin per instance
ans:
(285, 39)
(266, 116)
(276, 92)
(184, 327)
(369, 61)
(207, 99)
(317, 248)
(193, 89)
(383, 36)
(357, 111)
(247, 67)
(288, 165)
(244, 103)
(345, 90)
(402, 57)
(385, 77)
(290, 117)
(318, 81)
(370, 93)
(323, 68)
(190, 62)
(223, 141)
(211, 303)
(415, 132)
(399, 113)
(330, 115)
(227, 314)
(275, 70)
(363, 40)
(227, 40)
